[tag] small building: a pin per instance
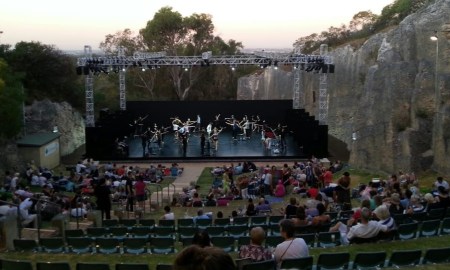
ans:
(43, 148)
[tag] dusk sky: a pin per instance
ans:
(69, 25)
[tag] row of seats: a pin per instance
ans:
(362, 260)
(341, 260)
(28, 265)
(189, 222)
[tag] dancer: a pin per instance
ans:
(176, 123)
(215, 137)
(217, 120)
(235, 127)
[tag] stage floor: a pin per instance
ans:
(227, 148)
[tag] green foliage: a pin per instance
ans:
(362, 25)
(47, 72)
(11, 99)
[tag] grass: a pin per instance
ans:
(205, 180)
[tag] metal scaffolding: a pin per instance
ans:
(89, 66)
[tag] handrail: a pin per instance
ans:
(158, 190)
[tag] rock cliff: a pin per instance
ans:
(385, 93)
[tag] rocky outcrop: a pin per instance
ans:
(385, 93)
(43, 116)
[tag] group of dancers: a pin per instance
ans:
(241, 129)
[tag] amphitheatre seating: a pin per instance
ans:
(129, 223)
(264, 265)
(107, 245)
(401, 258)
(162, 245)
(52, 266)
(445, 226)
(305, 263)
(369, 260)
(17, 264)
(92, 266)
(328, 239)
(25, 245)
(339, 260)
(79, 245)
(224, 242)
(429, 228)
(135, 245)
(132, 266)
(52, 245)
(141, 232)
(436, 255)
(407, 231)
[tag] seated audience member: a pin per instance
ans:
(365, 230)
(197, 258)
(27, 218)
(250, 210)
(300, 218)
(168, 215)
(442, 198)
(395, 205)
(79, 211)
(211, 201)
(322, 218)
(440, 182)
(415, 205)
(431, 202)
(384, 217)
(291, 208)
(196, 200)
(201, 215)
(255, 250)
(280, 190)
(291, 247)
(263, 206)
(201, 239)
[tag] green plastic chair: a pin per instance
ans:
(52, 244)
(162, 245)
(436, 255)
(80, 245)
(52, 266)
(107, 245)
(92, 266)
(339, 260)
(369, 260)
(25, 245)
(305, 263)
(401, 258)
(16, 265)
(264, 265)
(132, 266)
(135, 245)
(224, 242)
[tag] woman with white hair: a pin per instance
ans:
(384, 217)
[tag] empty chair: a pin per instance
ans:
(436, 255)
(161, 266)
(436, 213)
(162, 245)
(274, 229)
(241, 221)
(132, 266)
(407, 231)
(222, 222)
(74, 233)
(141, 232)
(107, 245)
(237, 231)
(258, 221)
(333, 215)
(328, 239)
(129, 223)
(430, 228)
(185, 222)
(164, 232)
(264, 265)
(25, 245)
(110, 223)
(273, 240)
(79, 244)
(275, 220)
(167, 223)
(135, 245)
(244, 240)
(186, 241)
(215, 231)
(419, 216)
(445, 226)
(95, 232)
(149, 222)
(338, 260)
(52, 266)
(16, 265)
(404, 258)
(52, 244)
(202, 223)
(118, 232)
(305, 263)
(224, 242)
(92, 266)
(365, 260)
(310, 238)
(187, 232)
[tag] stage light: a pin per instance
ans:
(124, 69)
(143, 69)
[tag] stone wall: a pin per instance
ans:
(384, 92)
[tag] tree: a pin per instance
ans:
(11, 98)
(47, 72)
(168, 31)
(361, 20)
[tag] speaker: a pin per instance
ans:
(325, 69)
(330, 68)
(86, 70)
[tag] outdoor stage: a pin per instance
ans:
(304, 135)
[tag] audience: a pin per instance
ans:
(255, 250)
(291, 247)
(196, 258)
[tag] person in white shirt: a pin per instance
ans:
(169, 215)
(24, 207)
(440, 182)
(80, 211)
(80, 168)
(292, 247)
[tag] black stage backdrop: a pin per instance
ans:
(306, 136)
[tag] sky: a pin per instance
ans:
(69, 25)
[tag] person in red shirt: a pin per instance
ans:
(327, 177)
(139, 188)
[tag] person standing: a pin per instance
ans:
(202, 143)
(291, 247)
(103, 194)
(341, 193)
(139, 188)
(129, 191)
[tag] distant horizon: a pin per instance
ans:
(71, 25)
